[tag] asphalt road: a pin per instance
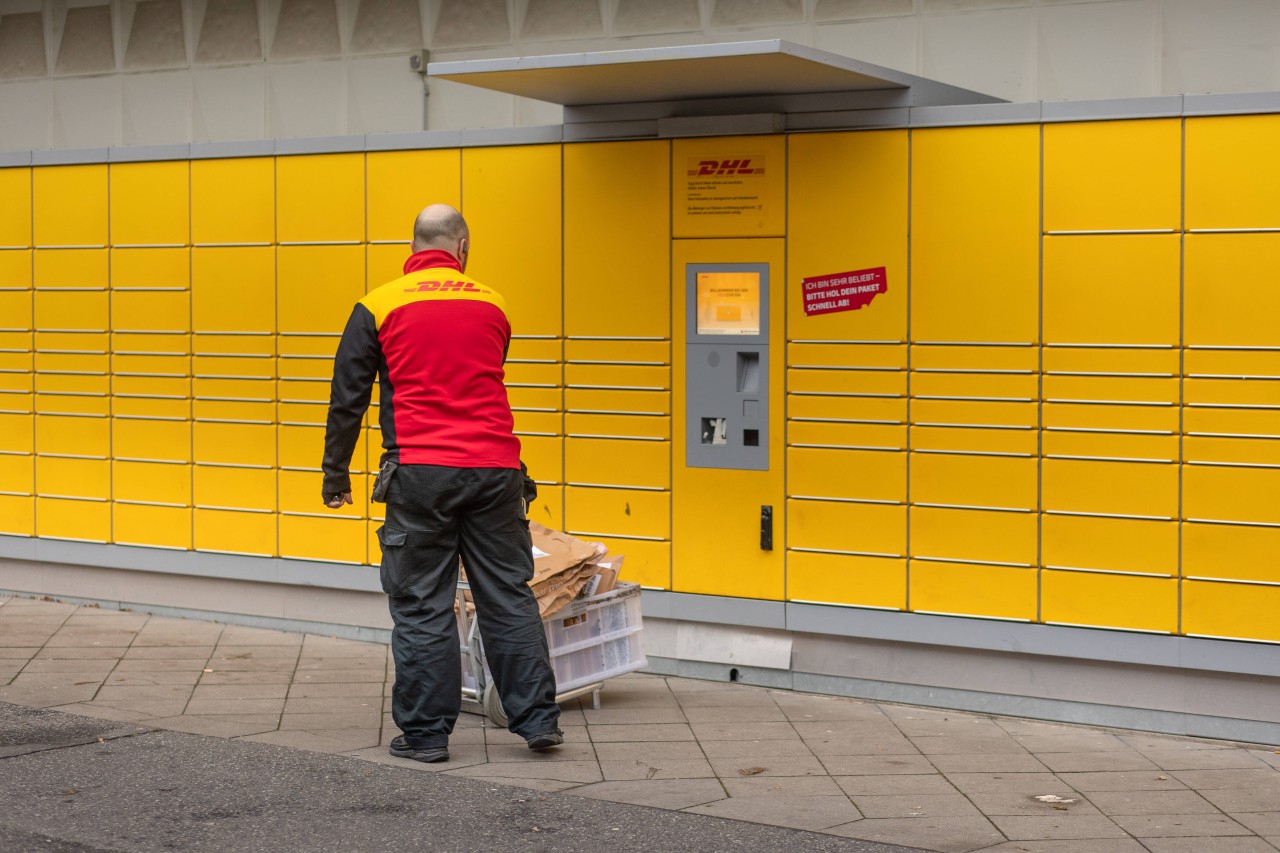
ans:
(73, 784)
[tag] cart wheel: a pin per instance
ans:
(493, 706)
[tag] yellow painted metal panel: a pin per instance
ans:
(151, 481)
(129, 408)
(618, 512)
(233, 289)
(73, 478)
(974, 359)
(548, 507)
(317, 287)
(342, 540)
(617, 206)
(134, 310)
(976, 386)
(852, 382)
(251, 413)
(612, 352)
(212, 384)
(644, 562)
(155, 366)
(300, 492)
(853, 527)
(1250, 422)
(307, 355)
(17, 474)
(534, 399)
(614, 426)
(975, 266)
(1084, 416)
(302, 391)
(1002, 592)
(847, 355)
(1230, 552)
(1109, 601)
(971, 413)
(89, 386)
(1231, 494)
(1110, 544)
(302, 446)
(1113, 289)
(234, 444)
(517, 254)
(1231, 296)
(1162, 361)
(401, 183)
(544, 456)
(1232, 392)
(1232, 363)
(384, 262)
(93, 406)
(74, 269)
(17, 429)
(1162, 448)
(885, 410)
(150, 202)
(151, 268)
(237, 488)
(610, 462)
(234, 532)
(535, 349)
(847, 579)
(1109, 488)
(73, 435)
(163, 526)
(88, 521)
(1108, 175)
(851, 435)
(71, 341)
(302, 413)
(863, 176)
(524, 373)
(69, 205)
(991, 481)
(233, 200)
(1249, 451)
(1233, 610)
(594, 401)
(137, 438)
(973, 534)
(538, 423)
(321, 198)
(16, 309)
(15, 268)
(1233, 179)
(15, 216)
(730, 186)
(17, 515)
(864, 474)
(132, 342)
(1119, 389)
(610, 376)
(16, 341)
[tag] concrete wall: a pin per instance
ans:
(92, 73)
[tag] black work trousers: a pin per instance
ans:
(435, 514)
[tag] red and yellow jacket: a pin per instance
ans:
(437, 339)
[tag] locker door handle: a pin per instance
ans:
(766, 528)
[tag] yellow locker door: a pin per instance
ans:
(233, 201)
(512, 200)
(151, 203)
(1231, 297)
(862, 581)
(1233, 177)
(863, 176)
(616, 236)
(716, 511)
(233, 289)
(15, 273)
(317, 288)
(15, 214)
(400, 183)
(70, 205)
(1113, 175)
(320, 198)
(975, 214)
(730, 186)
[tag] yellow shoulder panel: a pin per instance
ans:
(429, 284)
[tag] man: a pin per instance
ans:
(438, 341)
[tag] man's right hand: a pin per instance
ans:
(337, 501)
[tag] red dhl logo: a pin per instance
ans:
(445, 286)
(725, 167)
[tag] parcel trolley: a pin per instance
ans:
(591, 639)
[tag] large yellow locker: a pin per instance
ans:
(823, 473)
(17, 428)
(1237, 611)
(1233, 179)
(79, 520)
(1098, 600)
(154, 268)
(15, 217)
(1231, 552)
(73, 436)
(233, 201)
(16, 310)
(221, 443)
(863, 176)
(401, 183)
(853, 528)
(234, 531)
(615, 462)
(71, 269)
(544, 457)
(151, 526)
(60, 477)
(69, 205)
(150, 439)
(590, 512)
(151, 311)
(1113, 175)
(17, 515)
(854, 436)
(729, 186)
(975, 216)
(218, 487)
(978, 535)
(997, 592)
(300, 492)
(1112, 289)
(15, 270)
(151, 482)
(644, 561)
(384, 263)
(320, 198)
(317, 287)
(1110, 488)
(515, 253)
(1231, 298)
(334, 540)
(73, 311)
(616, 238)
(878, 582)
(150, 203)
(1006, 482)
(1109, 544)
(1222, 493)
(17, 474)
(233, 289)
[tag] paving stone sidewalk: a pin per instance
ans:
(936, 780)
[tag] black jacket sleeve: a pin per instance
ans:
(355, 366)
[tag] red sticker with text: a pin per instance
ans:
(843, 291)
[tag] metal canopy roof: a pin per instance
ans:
(695, 72)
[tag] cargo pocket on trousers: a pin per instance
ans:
(391, 572)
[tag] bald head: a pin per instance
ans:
(440, 226)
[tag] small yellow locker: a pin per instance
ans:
(1098, 600)
(878, 582)
(999, 592)
(151, 526)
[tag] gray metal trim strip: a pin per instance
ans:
(972, 114)
(321, 145)
(69, 156)
(890, 117)
(597, 130)
(238, 148)
(1169, 106)
(14, 158)
(413, 140)
(490, 136)
(747, 612)
(1231, 104)
(149, 153)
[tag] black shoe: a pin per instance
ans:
(429, 754)
(546, 740)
